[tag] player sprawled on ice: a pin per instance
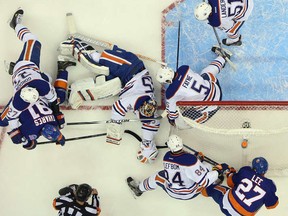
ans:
(186, 85)
(119, 72)
(227, 15)
(73, 200)
(34, 108)
(248, 190)
(184, 175)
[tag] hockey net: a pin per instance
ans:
(223, 129)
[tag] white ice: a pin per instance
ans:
(29, 180)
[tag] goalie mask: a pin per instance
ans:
(202, 11)
(29, 94)
(148, 108)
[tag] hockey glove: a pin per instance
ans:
(61, 140)
(60, 120)
(200, 156)
(221, 168)
(16, 136)
(29, 144)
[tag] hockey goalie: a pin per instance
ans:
(117, 72)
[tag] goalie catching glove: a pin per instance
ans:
(147, 152)
(88, 90)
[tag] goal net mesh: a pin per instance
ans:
(218, 129)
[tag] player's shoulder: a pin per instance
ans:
(177, 81)
(214, 18)
(18, 103)
(183, 158)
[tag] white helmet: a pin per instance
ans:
(175, 143)
(165, 75)
(29, 94)
(202, 11)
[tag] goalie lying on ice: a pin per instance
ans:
(119, 71)
(117, 65)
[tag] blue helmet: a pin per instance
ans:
(260, 165)
(50, 132)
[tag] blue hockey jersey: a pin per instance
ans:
(250, 191)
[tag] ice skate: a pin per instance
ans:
(134, 187)
(230, 42)
(64, 62)
(17, 18)
(224, 53)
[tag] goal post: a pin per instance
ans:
(235, 132)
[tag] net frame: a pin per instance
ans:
(268, 139)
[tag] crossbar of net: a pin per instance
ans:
(225, 118)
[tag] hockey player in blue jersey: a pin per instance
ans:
(118, 72)
(186, 85)
(227, 15)
(249, 190)
(29, 82)
(34, 109)
(184, 175)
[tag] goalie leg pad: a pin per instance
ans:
(88, 90)
(114, 133)
(80, 92)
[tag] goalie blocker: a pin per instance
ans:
(88, 90)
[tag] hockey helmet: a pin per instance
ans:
(83, 192)
(202, 11)
(29, 94)
(260, 165)
(175, 143)
(51, 132)
(165, 75)
(148, 108)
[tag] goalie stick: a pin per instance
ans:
(106, 45)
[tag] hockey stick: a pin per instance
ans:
(207, 159)
(91, 136)
(74, 138)
(111, 121)
(223, 53)
(178, 45)
(163, 115)
(106, 45)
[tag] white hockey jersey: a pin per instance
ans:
(190, 86)
(229, 13)
(132, 96)
(183, 177)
